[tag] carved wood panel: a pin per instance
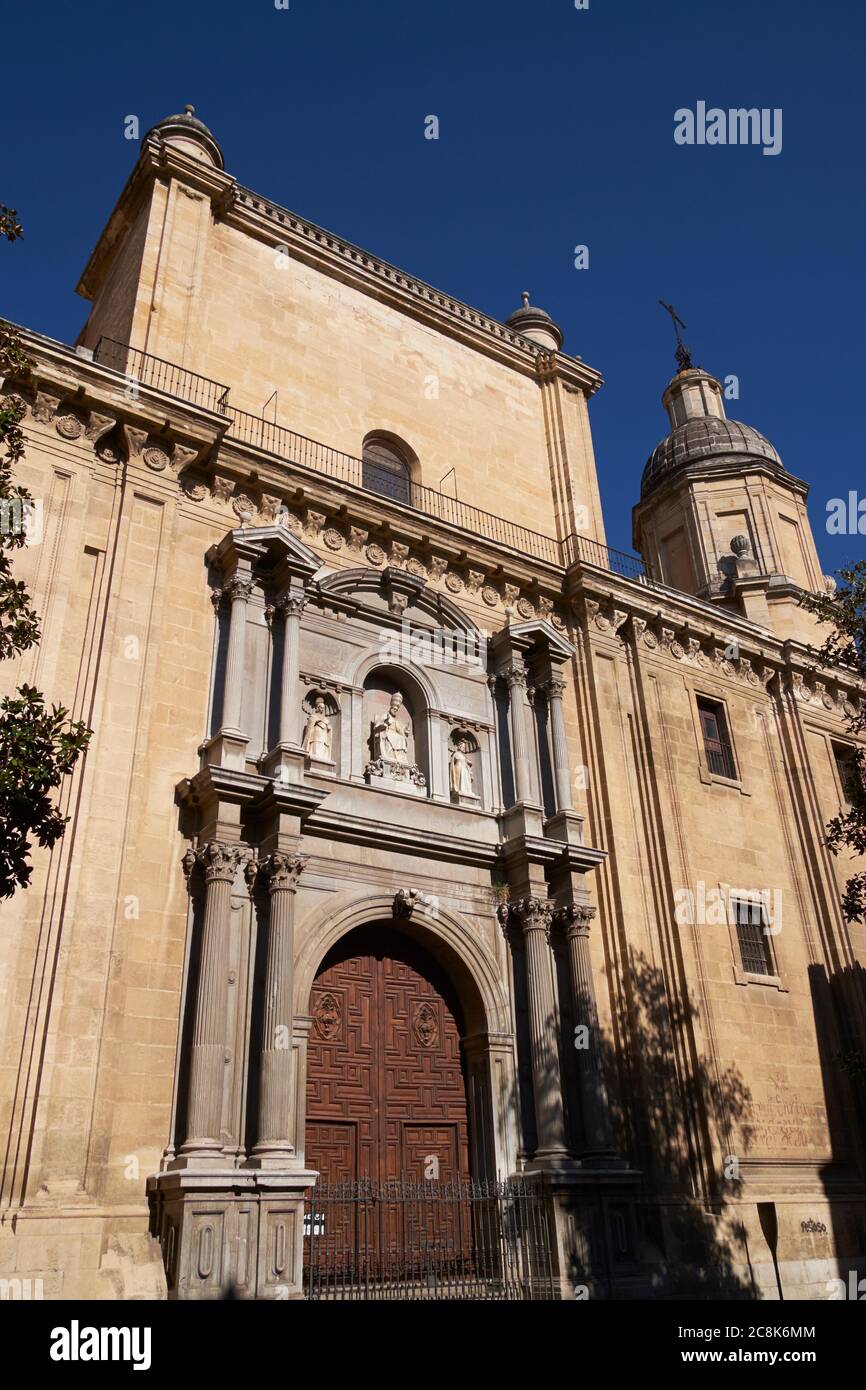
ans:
(386, 1091)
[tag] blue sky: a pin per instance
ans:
(556, 129)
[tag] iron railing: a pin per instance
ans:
(424, 1241)
(143, 369)
(309, 453)
(290, 447)
(580, 548)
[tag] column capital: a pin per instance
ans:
(555, 687)
(291, 604)
(282, 871)
(575, 919)
(238, 586)
(218, 861)
(532, 914)
(515, 675)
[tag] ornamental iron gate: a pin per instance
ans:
(411, 1240)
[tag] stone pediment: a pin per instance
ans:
(536, 632)
(270, 548)
(394, 585)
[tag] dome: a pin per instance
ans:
(185, 127)
(535, 323)
(706, 440)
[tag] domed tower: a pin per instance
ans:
(720, 516)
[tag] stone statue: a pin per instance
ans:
(462, 781)
(390, 736)
(317, 733)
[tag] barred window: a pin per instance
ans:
(755, 950)
(385, 470)
(717, 743)
(849, 772)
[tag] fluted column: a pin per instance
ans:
(282, 872)
(598, 1134)
(219, 863)
(516, 679)
(534, 917)
(291, 606)
(238, 589)
(561, 768)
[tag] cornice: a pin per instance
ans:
(337, 825)
(714, 470)
(688, 632)
(334, 256)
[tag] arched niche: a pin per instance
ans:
(465, 768)
(396, 731)
(321, 729)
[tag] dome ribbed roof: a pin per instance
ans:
(705, 439)
(186, 123)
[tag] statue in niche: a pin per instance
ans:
(317, 733)
(462, 778)
(391, 736)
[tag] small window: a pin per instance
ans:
(754, 942)
(848, 768)
(385, 470)
(717, 744)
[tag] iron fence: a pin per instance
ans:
(290, 447)
(428, 1241)
(592, 552)
(142, 368)
(297, 448)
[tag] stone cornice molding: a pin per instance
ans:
(692, 633)
(341, 260)
(85, 402)
(333, 255)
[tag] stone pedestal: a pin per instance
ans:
(464, 799)
(397, 777)
(238, 1231)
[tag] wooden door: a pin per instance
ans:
(386, 1093)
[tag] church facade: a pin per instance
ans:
(420, 839)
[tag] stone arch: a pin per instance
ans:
(422, 683)
(446, 936)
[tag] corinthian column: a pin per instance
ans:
(562, 772)
(292, 606)
(275, 1088)
(220, 863)
(594, 1102)
(516, 679)
(534, 917)
(238, 589)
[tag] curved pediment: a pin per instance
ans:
(400, 590)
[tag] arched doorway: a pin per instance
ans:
(386, 1078)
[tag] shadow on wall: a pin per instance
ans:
(665, 1104)
(839, 1002)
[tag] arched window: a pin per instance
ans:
(385, 468)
